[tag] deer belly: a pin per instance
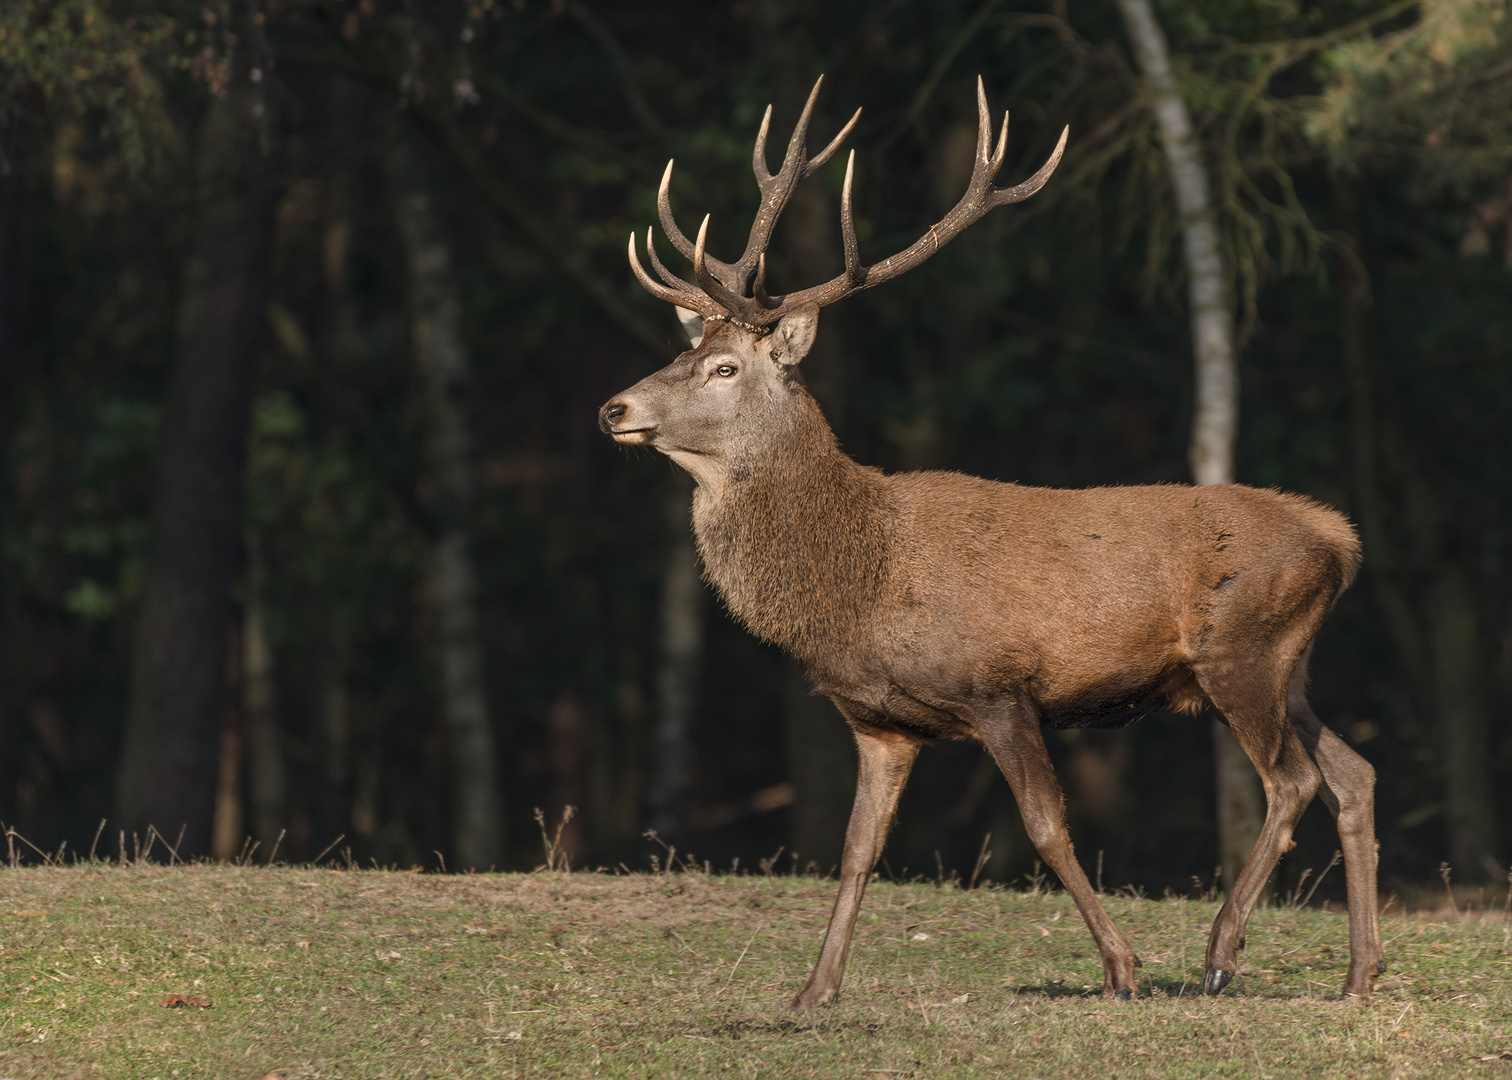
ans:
(889, 708)
(1116, 704)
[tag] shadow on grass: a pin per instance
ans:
(1054, 990)
(1171, 988)
(737, 1029)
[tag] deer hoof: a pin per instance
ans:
(1124, 995)
(1380, 967)
(1138, 963)
(809, 999)
(1215, 980)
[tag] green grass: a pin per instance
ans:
(357, 974)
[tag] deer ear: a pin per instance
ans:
(792, 338)
(692, 324)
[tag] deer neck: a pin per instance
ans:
(796, 537)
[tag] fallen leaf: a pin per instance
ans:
(174, 1001)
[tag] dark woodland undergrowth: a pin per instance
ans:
(318, 973)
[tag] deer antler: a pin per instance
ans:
(775, 192)
(721, 289)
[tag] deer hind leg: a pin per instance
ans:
(1012, 735)
(1349, 792)
(886, 758)
(1251, 699)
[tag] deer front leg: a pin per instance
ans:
(886, 758)
(1012, 735)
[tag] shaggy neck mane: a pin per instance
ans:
(795, 526)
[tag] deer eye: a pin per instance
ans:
(724, 371)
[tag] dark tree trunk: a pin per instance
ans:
(441, 353)
(179, 693)
(1460, 661)
(10, 265)
(682, 636)
(822, 768)
(262, 739)
(1441, 648)
(10, 285)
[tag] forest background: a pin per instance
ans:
(306, 310)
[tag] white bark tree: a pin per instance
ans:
(1215, 422)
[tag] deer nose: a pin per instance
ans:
(611, 414)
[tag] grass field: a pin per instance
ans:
(358, 974)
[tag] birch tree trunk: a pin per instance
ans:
(179, 694)
(477, 820)
(1215, 422)
(677, 677)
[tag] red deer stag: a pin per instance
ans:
(933, 605)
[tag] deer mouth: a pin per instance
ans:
(634, 436)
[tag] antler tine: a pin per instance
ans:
(1020, 192)
(664, 212)
(732, 302)
(758, 154)
(691, 300)
(1002, 147)
(758, 287)
(828, 152)
(854, 271)
(700, 271)
(662, 272)
(984, 132)
(669, 226)
(796, 159)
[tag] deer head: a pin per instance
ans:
(724, 399)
